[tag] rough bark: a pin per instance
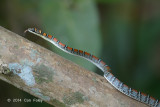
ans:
(54, 79)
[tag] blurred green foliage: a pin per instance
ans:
(75, 23)
(124, 33)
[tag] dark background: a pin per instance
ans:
(124, 33)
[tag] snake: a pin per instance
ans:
(115, 82)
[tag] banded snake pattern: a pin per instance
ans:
(137, 95)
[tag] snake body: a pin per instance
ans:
(137, 95)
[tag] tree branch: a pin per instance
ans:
(54, 79)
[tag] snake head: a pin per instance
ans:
(33, 30)
(29, 29)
